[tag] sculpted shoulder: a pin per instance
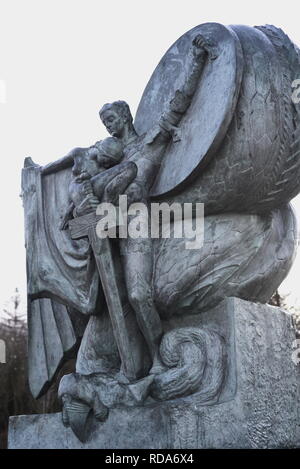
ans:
(134, 147)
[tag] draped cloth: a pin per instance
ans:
(61, 274)
(57, 266)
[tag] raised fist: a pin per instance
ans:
(88, 205)
(203, 45)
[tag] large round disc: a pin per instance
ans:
(207, 119)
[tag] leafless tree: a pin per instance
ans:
(15, 396)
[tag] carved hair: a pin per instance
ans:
(120, 107)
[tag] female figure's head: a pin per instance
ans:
(110, 152)
(90, 161)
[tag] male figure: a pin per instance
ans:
(146, 152)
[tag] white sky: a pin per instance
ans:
(61, 60)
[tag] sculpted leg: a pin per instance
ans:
(138, 274)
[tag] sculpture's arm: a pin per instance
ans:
(178, 105)
(89, 203)
(80, 203)
(183, 96)
(202, 49)
(67, 217)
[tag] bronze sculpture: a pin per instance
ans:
(232, 144)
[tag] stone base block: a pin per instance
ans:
(259, 406)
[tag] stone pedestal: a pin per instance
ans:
(258, 407)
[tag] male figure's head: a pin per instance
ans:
(117, 119)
